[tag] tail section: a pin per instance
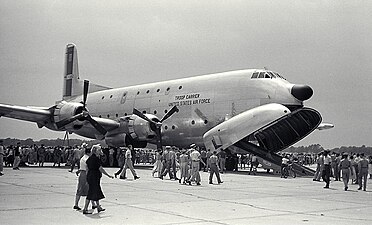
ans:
(72, 86)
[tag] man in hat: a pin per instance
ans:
(17, 156)
(76, 155)
(41, 155)
(184, 166)
(128, 164)
(213, 163)
(158, 165)
(166, 163)
(345, 167)
(195, 165)
(319, 167)
(327, 168)
(121, 160)
(363, 172)
(173, 163)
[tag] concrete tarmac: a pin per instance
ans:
(35, 195)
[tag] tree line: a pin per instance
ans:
(51, 142)
(314, 148)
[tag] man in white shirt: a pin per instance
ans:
(285, 161)
(128, 164)
(195, 165)
(327, 168)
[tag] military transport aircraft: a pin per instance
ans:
(255, 110)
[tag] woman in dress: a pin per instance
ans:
(83, 186)
(158, 165)
(94, 175)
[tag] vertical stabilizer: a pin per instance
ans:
(71, 84)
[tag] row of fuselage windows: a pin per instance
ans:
(165, 111)
(266, 74)
(154, 112)
(148, 91)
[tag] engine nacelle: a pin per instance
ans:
(65, 110)
(132, 130)
(116, 140)
(140, 129)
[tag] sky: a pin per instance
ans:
(322, 43)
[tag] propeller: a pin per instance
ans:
(156, 125)
(84, 115)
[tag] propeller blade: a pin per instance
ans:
(159, 142)
(64, 122)
(141, 115)
(200, 114)
(96, 125)
(169, 113)
(85, 93)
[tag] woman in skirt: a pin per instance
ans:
(95, 171)
(83, 187)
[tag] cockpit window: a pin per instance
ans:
(272, 75)
(255, 75)
(266, 74)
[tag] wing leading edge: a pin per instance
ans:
(27, 113)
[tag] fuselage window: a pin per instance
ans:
(117, 115)
(148, 91)
(180, 87)
(193, 122)
(165, 111)
(166, 127)
(125, 114)
(110, 96)
(144, 111)
(158, 90)
(103, 97)
(205, 121)
(173, 127)
(167, 90)
(138, 92)
(123, 98)
(100, 116)
(108, 116)
(155, 112)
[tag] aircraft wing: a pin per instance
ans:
(27, 113)
(43, 116)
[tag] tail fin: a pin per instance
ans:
(72, 86)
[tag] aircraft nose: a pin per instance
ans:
(302, 92)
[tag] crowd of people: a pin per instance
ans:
(190, 162)
(168, 161)
(354, 167)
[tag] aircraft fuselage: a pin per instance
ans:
(203, 102)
